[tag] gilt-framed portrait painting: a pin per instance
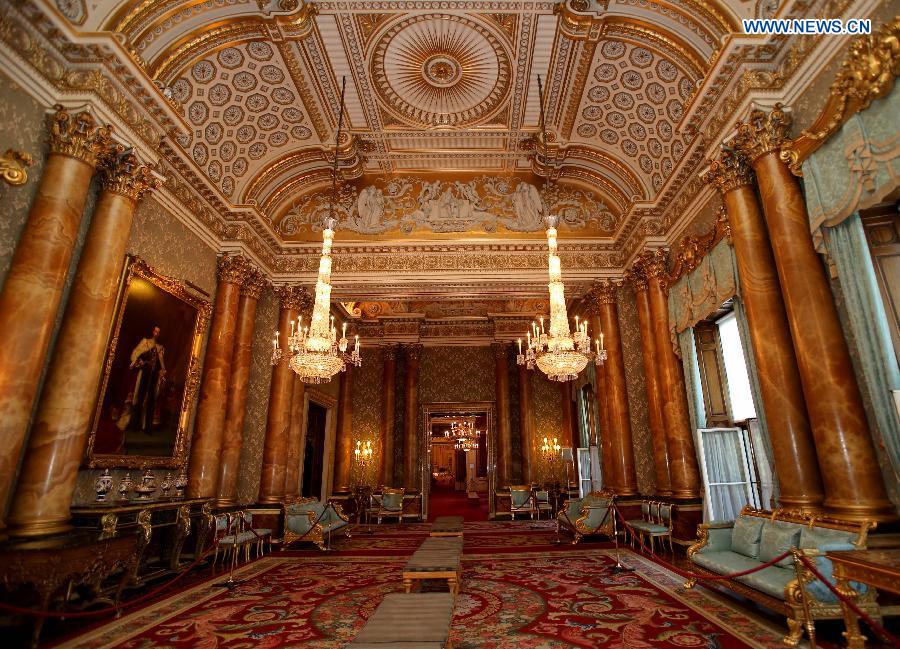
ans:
(151, 374)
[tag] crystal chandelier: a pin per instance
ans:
(316, 353)
(559, 353)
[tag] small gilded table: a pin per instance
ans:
(879, 569)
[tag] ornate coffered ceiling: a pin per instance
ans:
(441, 161)
(431, 92)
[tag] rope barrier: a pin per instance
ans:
(875, 626)
(696, 576)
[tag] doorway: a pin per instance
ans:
(457, 471)
(314, 451)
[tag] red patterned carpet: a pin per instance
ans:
(522, 600)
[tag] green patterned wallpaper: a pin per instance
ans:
(637, 392)
(456, 374)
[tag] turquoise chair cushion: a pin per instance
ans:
(745, 536)
(597, 516)
(777, 538)
(816, 537)
(724, 562)
(572, 511)
(520, 498)
(824, 565)
(772, 580)
(392, 501)
(652, 528)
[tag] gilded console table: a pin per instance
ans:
(162, 527)
(58, 566)
(878, 569)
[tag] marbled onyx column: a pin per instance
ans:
(853, 484)
(410, 418)
(236, 404)
(652, 383)
(206, 444)
(601, 393)
(343, 445)
(295, 439)
(388, 405)
(684, 475)
(525, 424)
(34, 285)
(504, 428)
(278, 420)
(63, 419)
(603, 297)
(800, 485)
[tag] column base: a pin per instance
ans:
(684, 494)
(271, 500)
(225, 502)
(881, 511)
(811, 506)
(39, 528)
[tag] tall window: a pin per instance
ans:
(739, 393)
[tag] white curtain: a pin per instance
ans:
(725, 473)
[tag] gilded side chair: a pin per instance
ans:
(520, 501)
(391, 504)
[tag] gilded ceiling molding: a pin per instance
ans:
(198, 44)
(122, 173)
(286, 50)
(257, 185)
(692, 248)
(634, 188)
(867, 73)
(298, 185)
(662, 40)
(576, 91)
(13, 167)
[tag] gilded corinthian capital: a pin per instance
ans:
(122, 173)
(254, 284)
(636, 277)
(654, 264)
(78, 135)
(294, 297)
(728, 171)
(763, 132)
(602, 291)
(233, 269)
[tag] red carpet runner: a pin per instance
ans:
(528, 598)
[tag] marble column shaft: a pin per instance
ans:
(504, 427)
(525, 424)
(388, 409)
(625, 476)
(854, 487)
(684, 473)
(206, 444)
(236, 405)
(295, 440)
(63, 420)
(800, 485)
(652, 383)
(31, 293)
(278, 421)
(410, 419)
(343, 446)
(602, 395)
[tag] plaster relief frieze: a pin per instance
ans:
(485, 204)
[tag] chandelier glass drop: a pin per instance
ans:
(558, 353)
(316, 352)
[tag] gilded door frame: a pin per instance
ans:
(460, 408)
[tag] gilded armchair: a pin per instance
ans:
(587, 516)
(314, 521)
(520, 501)
(391, 504)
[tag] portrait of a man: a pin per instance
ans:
(142, 407)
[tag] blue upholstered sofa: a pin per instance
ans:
(587, 516)
(313, 521)
(758, 536)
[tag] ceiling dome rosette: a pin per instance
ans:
(440, 70)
